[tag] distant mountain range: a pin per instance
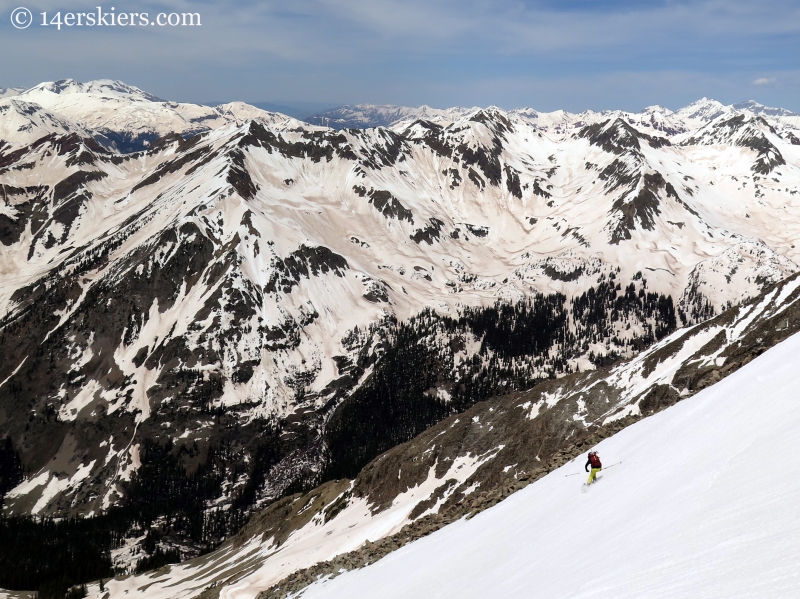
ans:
(654, 118)
(298, 110)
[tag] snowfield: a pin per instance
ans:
(703, 504)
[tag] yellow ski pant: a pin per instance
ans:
(592, 474)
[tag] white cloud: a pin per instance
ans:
(764, 81)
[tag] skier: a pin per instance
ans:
(593, 461)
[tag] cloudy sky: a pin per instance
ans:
(550, 54)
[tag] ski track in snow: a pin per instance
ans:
(703, 505)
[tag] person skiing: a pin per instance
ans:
(594, 461)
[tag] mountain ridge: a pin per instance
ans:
(656, 118)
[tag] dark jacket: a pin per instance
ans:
(589, 463)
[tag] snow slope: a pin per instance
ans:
(25, 122)
(703, 504)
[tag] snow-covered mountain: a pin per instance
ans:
(22, 123)
(470, 462)
(656, 120)
(555, 123)
(756, 108)
(364, 116)
(232, 301)
(8, 92)
(126, 119)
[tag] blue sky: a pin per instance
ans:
(548, 55)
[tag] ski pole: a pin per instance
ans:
(603, 468)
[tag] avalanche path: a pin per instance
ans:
(703, 505)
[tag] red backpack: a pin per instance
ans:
(594, 460)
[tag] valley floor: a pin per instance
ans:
(703, 504)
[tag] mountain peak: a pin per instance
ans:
(496, 119)
(731, 129)
(9, 92)
(613, 135)
(23, 122)
(704, 109)
(363, 116)
(241, 112)
(760, 109)
(746, 131)
(657, 108)
(98, 87)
